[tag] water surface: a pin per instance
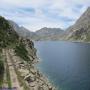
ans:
(67, 64)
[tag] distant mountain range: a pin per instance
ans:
(42, 34)
(22, 31)
(80, 31)
(48, 33)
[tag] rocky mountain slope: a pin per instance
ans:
(48, 33)
(80, 31)
(22, 31)
(17, 59)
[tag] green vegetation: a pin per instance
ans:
(21, 51)
(1, 70)
(1, 67)
(7, 34)
(87, 37)
(7, 37)
(20, 79)
(10, 39)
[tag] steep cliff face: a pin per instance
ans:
(25, 49)
(80, 31)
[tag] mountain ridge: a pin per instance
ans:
(80, 30)
(77, 32)
(41, 34)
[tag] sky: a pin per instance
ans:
(36, 14)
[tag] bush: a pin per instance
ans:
(1, 72)
(21, 51)
(1, 67)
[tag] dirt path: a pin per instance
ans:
(5, 84)
(13, 76)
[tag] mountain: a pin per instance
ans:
(22, 31)
(17, 59)
(48, 33)
(26, 33)
(80, 31)
(7, 33)
(42, 34)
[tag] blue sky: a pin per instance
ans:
(35, 14)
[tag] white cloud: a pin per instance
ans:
(50, 13)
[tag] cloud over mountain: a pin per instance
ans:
(35, 14)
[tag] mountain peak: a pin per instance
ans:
(81, 29)
(85, 18)
(88, 8)
(88, 11)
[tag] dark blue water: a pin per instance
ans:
(66, 64)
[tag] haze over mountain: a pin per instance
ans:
(36, 14)
(80, 31)
(42, 34)
(48, 33)
(22, 31)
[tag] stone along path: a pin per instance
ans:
(13, 76)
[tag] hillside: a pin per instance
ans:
(8, 38)
(7, 33)
(17, 59)
(80, 31)
(48, 33)
(22, 31)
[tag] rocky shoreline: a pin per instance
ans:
(32, 77)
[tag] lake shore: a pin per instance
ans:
(64, 61)
(33, 78)
(65, 41)
(76, 41)
(42, 76)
